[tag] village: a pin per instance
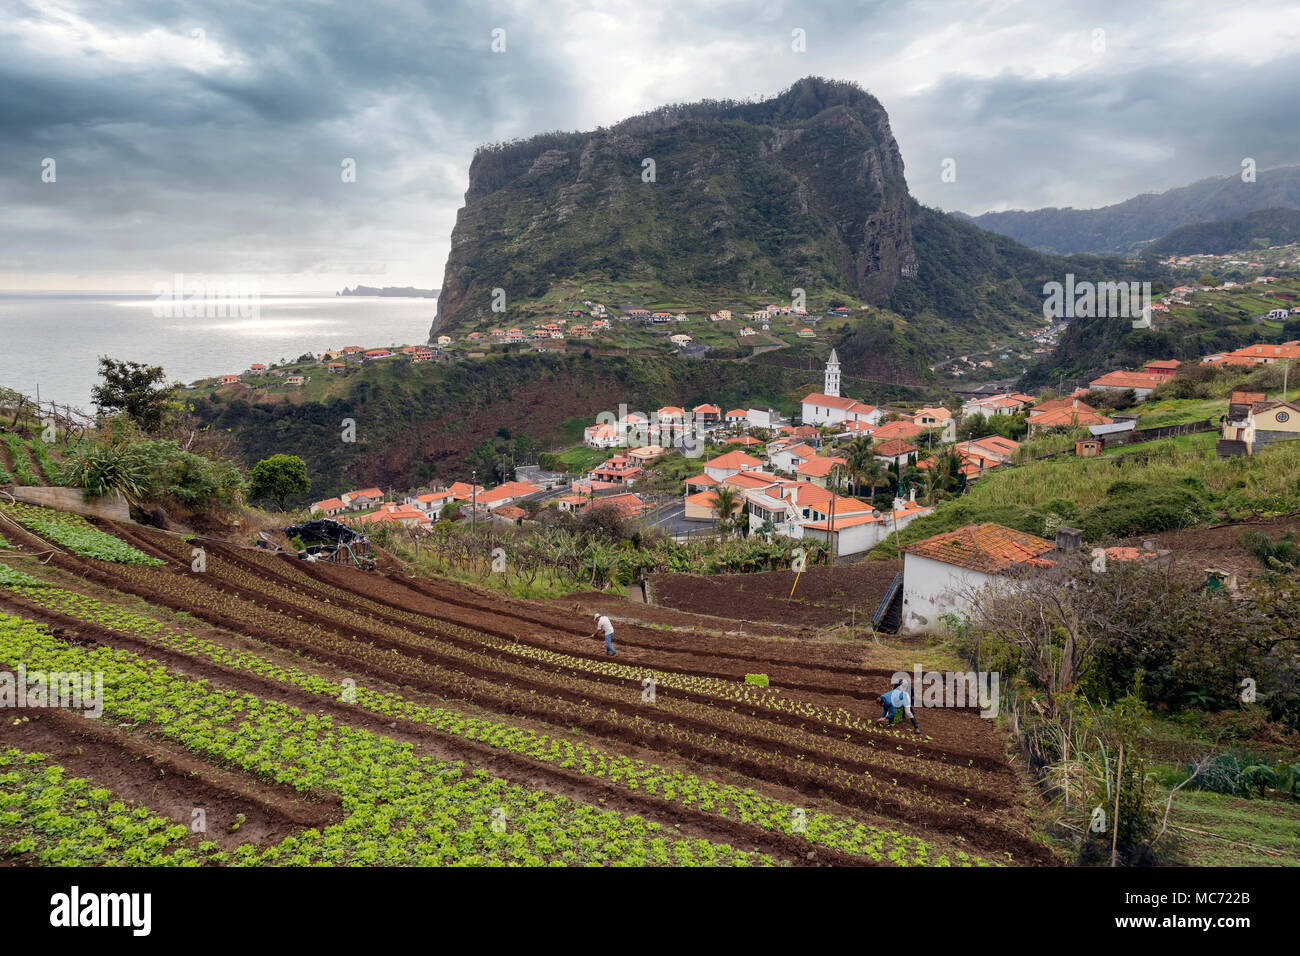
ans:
(847, 475)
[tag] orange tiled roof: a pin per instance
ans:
(513, 512)
(1062, 417)
(745, 440)
(507, 489)
(329, 504)
(1127, 380)
(990, 548)
(897, 430)
(820, 467)
(894, 447)
(733, 459)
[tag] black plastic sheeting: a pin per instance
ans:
(323, 529)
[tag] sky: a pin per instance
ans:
(141, 139)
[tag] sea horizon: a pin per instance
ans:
(51, 340)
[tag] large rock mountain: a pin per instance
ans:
(804, 190)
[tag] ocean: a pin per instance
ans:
(53, 339)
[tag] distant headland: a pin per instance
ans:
(399, 292)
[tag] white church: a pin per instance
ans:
(828, 408)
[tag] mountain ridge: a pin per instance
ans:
(1125, 227)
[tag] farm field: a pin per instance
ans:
(820, 599)
(316, 714)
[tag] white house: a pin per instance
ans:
(790, 457)
(857, 533)
(724, 466)
(941, 574)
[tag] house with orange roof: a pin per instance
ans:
(724, 466)
(703, 506)
(392, 513)
(855, 430)
(981, 454)
(257, 368)
(895, 451)
(744, 481)
(464, 491)
(858, 533)
(942, 573)
(627, 505)
(789, 457)
(509, 514)
(707, 414)
(1142, 383)
(605, 435)
(818, 469)
(699, 482)
(330, 507)
(506, 493)
(1267, 354)
(899, 429)
(791, 504)
(1072, 416)
(618, 470)
(365, 498)
(938, 418)
(744, 441)
(1012, 403)
(645, 454)
(737, 417)
(1165, 368)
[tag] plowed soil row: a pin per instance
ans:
(168, 780)
(988, 833)
(704, 720)
(384, 594)
(192, 779)
(821, 598)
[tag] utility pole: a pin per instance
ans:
(473, 491)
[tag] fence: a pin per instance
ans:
(1139, 435)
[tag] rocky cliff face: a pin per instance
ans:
(805, 190)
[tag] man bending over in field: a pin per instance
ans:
(893, 701)
(603, 627)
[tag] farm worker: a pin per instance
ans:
(607, 629)
(897, 698)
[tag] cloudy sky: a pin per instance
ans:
(208, 138)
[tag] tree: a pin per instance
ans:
(142, 392)
(726, 500)
(278, 477)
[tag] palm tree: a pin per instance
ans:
(862, 464)
(725, 500)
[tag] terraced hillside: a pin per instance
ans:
(317, 714)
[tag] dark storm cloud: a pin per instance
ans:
(224, 155)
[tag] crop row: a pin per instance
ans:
(342, 607)
(76, 534)
(708, 726)
(402, 807)
(68, 821)
(18, 452)
(634, 775)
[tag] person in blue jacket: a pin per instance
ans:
(898, 698)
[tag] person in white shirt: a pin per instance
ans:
(604, 627)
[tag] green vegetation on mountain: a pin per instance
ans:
(1124, 227)
(1258, 230)
(414, 423)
